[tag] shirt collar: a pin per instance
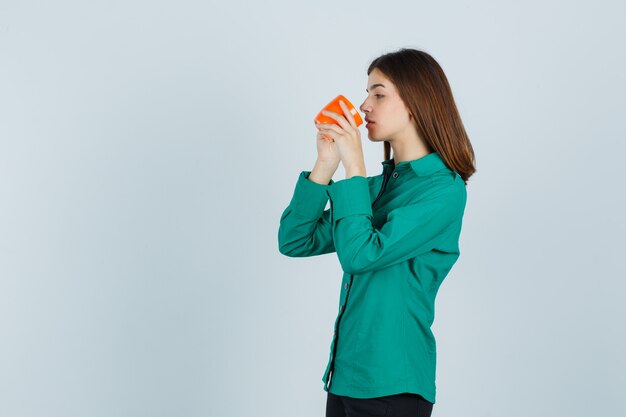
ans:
(423, 166)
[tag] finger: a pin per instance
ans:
(322, 136)
(330, 126)
(320, 126)
(329, 134)
(347, 113)
(338, 117)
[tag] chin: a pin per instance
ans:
(374, 138)
(374, 135)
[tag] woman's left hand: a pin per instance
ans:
(347, 138)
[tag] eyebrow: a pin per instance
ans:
(374, 86)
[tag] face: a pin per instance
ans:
(383, 106)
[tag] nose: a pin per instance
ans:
(363, 107)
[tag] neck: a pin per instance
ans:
(407, 145)
(403, 151)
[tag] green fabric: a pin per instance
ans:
(394, 256)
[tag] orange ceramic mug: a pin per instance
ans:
(336, 107)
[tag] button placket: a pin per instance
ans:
(331, 363)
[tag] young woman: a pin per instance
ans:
(395, 234)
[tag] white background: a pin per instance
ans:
(148, 149)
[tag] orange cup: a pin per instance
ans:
(336, 107)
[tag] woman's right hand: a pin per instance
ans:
(327, 151)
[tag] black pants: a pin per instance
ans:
(397, 405)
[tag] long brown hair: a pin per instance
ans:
(424, 88)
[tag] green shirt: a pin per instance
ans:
(395, 249)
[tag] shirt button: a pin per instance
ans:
(346, 285)
(341, 307)
(395, 175)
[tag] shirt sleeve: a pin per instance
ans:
(410, 230)
(305, 227)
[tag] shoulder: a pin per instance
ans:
(445, 187)
(447, 178)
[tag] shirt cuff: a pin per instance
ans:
(309, 198)
(350, 196)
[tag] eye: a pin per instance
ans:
(379, 95)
